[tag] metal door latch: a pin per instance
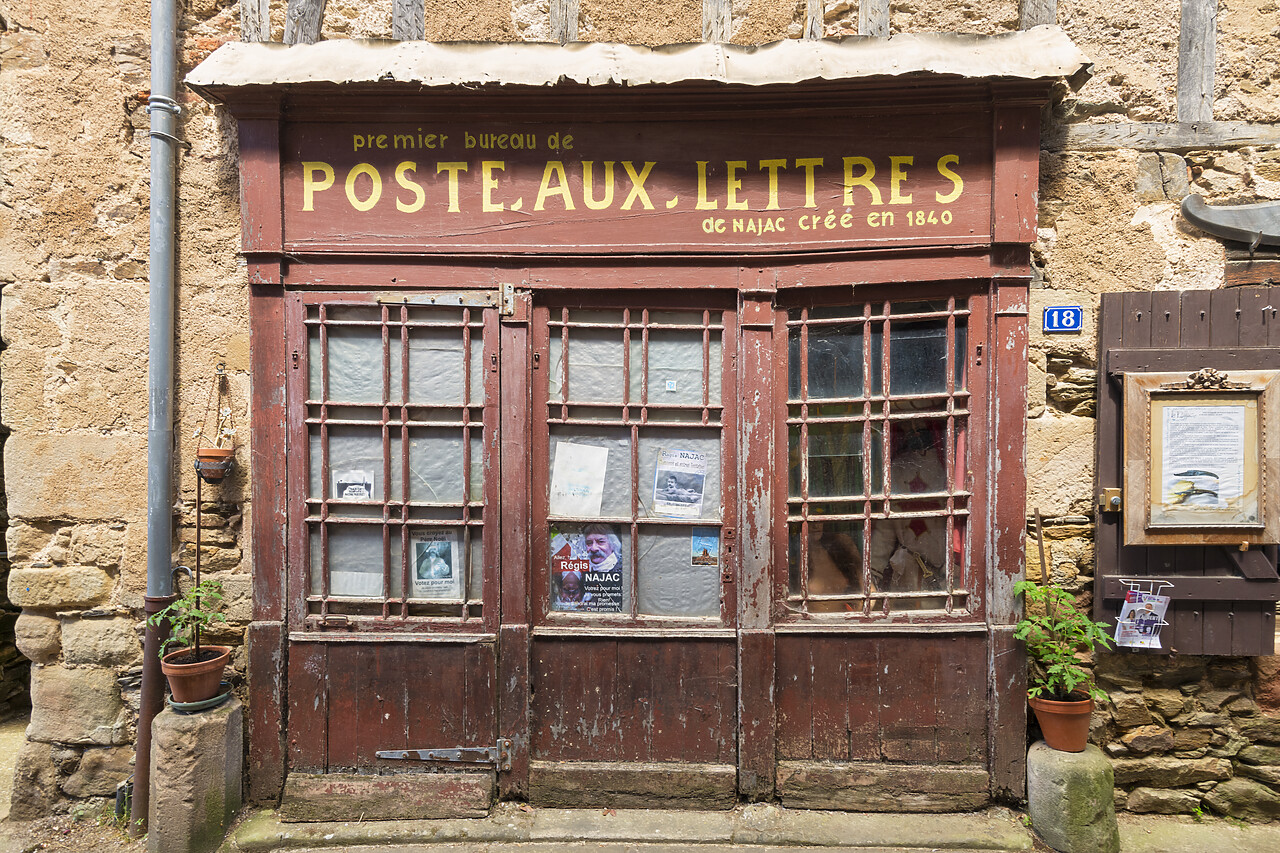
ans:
(1110, 500)
(499, 755)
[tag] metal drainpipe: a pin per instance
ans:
(163, 107)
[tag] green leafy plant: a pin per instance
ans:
(1055, 632)
(191, 613)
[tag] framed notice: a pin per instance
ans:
(1201, 458)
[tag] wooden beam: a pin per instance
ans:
(813, 20)
(255, 22)
(1033, 13)
(1160, 136)
(1197, 41)
(408, 20)
(1189, 588)
(717, 21)
(1190, 359)
(302, 21)
(873, 18)
(564, 20)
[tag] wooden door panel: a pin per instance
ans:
(895, 698)
(634, 700)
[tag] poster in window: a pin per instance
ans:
(587, 569)
(678, 483)
(437, 568)
(706, 546)
(353, 486)
(1141, 618)
(577, 479)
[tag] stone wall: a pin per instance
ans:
(1201, 733)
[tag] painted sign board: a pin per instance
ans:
(1063, 318)
(689, 184)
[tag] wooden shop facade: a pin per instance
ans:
(641, 433)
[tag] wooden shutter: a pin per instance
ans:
(1223, 602)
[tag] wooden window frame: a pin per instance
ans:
(398, 615)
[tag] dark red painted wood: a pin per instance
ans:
(308, 707)
(265, 714)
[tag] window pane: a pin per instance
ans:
(355, 560)
(679, 473)
(908, 554)
(435, 465)
(355, 465)
(834, 561)
(355, 364)
(835, 361)
(675, 368)
(595, 464)
(918, 357)
(435, 366)
(595, 365)
(679, 571)
(917, 463)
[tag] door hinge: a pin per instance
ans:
(507, 306)
(499, 755)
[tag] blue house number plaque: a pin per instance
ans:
(1063, 318)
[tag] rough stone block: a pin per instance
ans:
(196, 765)
(1262, 729)
(1259, 754)
(1267, 682)
(1244, 798)
(104, 642)
(65, 588)
(1130, 710)
(99, 771)
(38, 637)
(1161, 801)
(349, 796)
(1149, 739)
(1161, 772)
(35, 783)
(87, 477)
(1268, 775)
(1059, 462)
(1071, 799)
(80, 706)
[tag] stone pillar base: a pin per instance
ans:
(196, 766)
(1071, 799)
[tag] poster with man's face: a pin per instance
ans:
(587, 569)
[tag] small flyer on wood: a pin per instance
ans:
(587, 569)
(706, 546)
(437, 567)
(678, 483)
(1141, 618)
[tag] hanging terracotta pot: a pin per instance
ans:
(198, 680)
(213, 463)
(1065, 725)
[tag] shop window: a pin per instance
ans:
(877, 416)
(635, 462)
(395, 496)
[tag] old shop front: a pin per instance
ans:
(638, 426)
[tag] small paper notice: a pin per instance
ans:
(353, 486)
(577, 479)
(678, 483)
(437, 569)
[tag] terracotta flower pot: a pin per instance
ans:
(195, 682)
(1065, 725)
(213, 463)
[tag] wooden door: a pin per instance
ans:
(633, 652)
(393, 613)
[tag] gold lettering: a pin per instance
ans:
(488, 183)
(309, 184)
(637, 183)
(453, 168)
(772, 167)
(864, 180)
(896, 176)
(809, 164)
(733, 184)
(703, 204)
(419, 197)
(545, 190)
(374, 194)
(944, 164)
(588, 186)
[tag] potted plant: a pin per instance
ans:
(1062, 691)
(194, 670)
(213, 460)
